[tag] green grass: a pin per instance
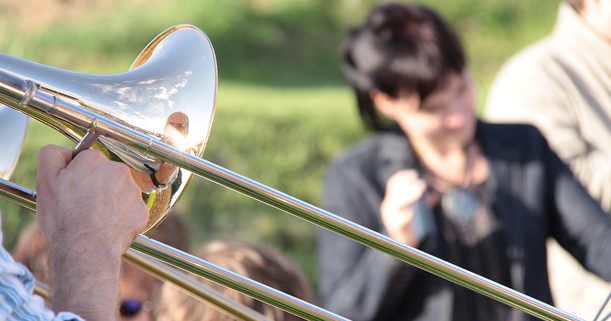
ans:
(283, 138)
(283, 109)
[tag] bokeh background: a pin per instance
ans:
(283, 108)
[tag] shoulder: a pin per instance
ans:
(357, 158)
(510, 136)
(370, 159)
(531, 79)
(521, 143)
(508, 131)
(528, 60)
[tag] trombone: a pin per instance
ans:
(142, 116)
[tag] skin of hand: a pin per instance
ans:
(90, 211)
(402, 189)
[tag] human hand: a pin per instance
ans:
(90, 210)
(403, 189)
(89, 201)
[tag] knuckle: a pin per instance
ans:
(46, 151)
(97, 155)
(120, 173)
(87, 153)
(144, 210)
(120, 169)
(92, 157)
(143, 215)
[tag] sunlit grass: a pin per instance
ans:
(283, 138)
(283, 109)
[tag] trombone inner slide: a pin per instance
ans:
(193, 264)
(83, 118)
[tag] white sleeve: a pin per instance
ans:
(17, 301)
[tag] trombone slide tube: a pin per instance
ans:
(359, 233)
(198, 266)
(42, 290)
(195, 265)
(197, 289)
(167, 273)
(21, 196)
(83, 118)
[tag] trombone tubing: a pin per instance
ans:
(197, 289)
(23, 93)
(197, 266)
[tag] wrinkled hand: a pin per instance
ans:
(88, 200)
(402, 190)
(90, 210)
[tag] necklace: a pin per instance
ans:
(459, 204)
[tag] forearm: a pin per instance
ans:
(86, 282)
(583, 229)
(593, 170)
(579, 224)
(90, 210)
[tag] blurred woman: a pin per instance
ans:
(492, 194)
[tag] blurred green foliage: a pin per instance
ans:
(283, 110)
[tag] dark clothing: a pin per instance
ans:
(533, 196)
(475, 241)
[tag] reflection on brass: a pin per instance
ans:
(157, 175)
(13, 126)
(168, 95)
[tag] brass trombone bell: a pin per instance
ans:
(168, 95)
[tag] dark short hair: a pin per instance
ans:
(401, 46)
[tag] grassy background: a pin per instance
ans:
(283, 109)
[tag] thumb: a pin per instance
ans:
(51, 160)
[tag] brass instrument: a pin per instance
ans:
(13, 126)
(156, 117)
